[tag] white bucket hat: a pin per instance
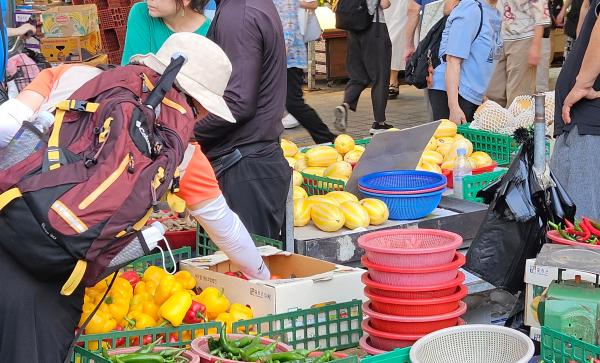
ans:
(204, 76)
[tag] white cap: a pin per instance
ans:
(461, 151)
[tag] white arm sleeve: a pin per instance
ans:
(226, 230)
(12, 114)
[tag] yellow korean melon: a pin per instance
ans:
(300, 156)
(446, 128)
(342, 197)
(377, 210)
(432, 157)
(459, 144)
(344, 143)
(322, 156)
(291, 161)
(300, 165)
(299, 193)
(432, 144)
(444, 144)
(314, 170)
(297, 177)
(355, 214)
(289, 148)
(359, 148)
(339, 170)
(428, 166)
(481, 159)
(301, 212)
(353, 156)
(314, 199)
(327, 217)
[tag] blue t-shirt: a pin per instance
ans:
(479, 55)
(424, 2)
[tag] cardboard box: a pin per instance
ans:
(316, 282)
(70, 21)
(98, 60)
(538, 278)
(71, 49)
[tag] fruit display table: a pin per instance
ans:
(341, 247)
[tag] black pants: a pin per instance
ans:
(305, 114)
(368, 63)
(439, 105)
(256, 189)
(37, 324)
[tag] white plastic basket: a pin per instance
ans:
(473, 344)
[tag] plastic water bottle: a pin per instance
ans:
(135, 249)
(462, 167)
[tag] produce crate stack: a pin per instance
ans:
(413, 285)
(112, 15)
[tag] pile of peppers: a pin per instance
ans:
(250, 349)
(146, 354)
(584, 231)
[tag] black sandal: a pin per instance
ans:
(393, 92)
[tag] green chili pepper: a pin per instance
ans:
(285, 357)
(105, 353)
(252, 348)
(242, 343)
(554, 226)
(326, 357)
(139, 358)
(213, 343)
(565, 235)
(261, 353)
(167, 353)
(227, 346)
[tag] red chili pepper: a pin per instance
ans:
(146, 339)
(120, 342)
(573, 232)
(132, 277)
(586, 231)
(591, 227)
(195, 313)
(568, 224)
(173, 338)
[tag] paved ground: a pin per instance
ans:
(408, 110)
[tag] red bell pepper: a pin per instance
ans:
(119, 342)
(237, 274)
(173, 338)
(132, 277)
(135, 341)
(195, 313)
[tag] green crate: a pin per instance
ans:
(81, 355)
(205, 247)
(499, 146)
(351, 359)
(327, 327)
(395, 356)
(364, 142)
(141, 264)
(472, 184)
(110, 338)
(557, 347)
(318, 185)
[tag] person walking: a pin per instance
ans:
(469, 50)
(368, 63)
(396, 22)
(297, 63)
(522, 31)
(246, 156)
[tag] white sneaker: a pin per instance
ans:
(289, 121)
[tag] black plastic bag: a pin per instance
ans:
(515, 226)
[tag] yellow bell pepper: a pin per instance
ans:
(94, 346)
(118, 300)
(175, 308)
(101, 322)
(139, 320)
(192, 293)
(214, 300)
(227, 319)
(240, 312)
(167, 287)
(154, 273)
(186, 279)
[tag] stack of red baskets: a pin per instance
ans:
(413, 285)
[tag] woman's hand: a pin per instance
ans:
(580, 91)
(457, 115)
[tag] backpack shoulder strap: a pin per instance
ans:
(480, 19)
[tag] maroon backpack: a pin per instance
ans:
(73, 207)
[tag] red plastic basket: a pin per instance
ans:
(555, 237)
(414, 307)
(366, 345)
(412, 248)
(414, 292)
(449, 174)
(413, 324)
(414, 276)
(178, 239)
